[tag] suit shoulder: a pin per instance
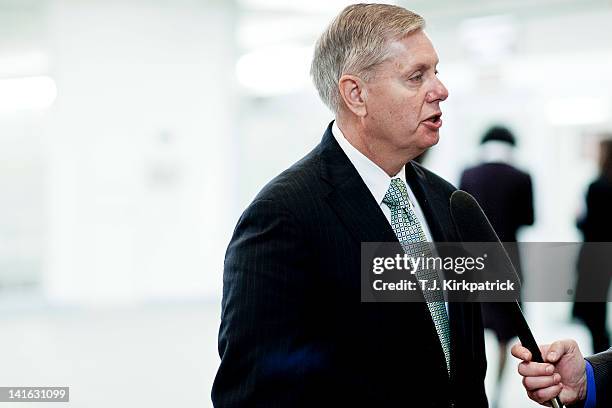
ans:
(523, 173)
(495, 169)
(601, 184)
(471, 169)
(295, 185)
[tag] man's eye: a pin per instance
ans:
(417, 77)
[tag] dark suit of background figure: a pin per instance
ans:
(293, 330)
(506, 196)
(594, 262)
(602, 370)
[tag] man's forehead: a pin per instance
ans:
(412, 50)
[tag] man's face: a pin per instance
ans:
(403, 98)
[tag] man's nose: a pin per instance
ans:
(438, 91)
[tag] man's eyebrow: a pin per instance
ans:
(419, 67)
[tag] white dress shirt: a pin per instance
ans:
(377, 180)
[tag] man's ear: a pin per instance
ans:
(353, 93)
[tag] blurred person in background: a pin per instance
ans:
(294, 331)
(594, 264)
(506, 196)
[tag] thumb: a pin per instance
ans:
(557, 350)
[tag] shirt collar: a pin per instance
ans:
(495, 151)
(375, 178)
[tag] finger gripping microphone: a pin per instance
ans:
(473, 226)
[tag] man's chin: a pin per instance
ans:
(431, 138)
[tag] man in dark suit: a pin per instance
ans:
(585, 383)
(594, 265)
(503, 191)
(294, 331)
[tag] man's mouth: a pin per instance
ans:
(434, 121)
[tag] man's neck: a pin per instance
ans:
(390, 162)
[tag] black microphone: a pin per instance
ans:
(473, 226)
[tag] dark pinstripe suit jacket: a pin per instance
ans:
(293, 329)
(602, 369)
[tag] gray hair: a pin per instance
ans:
(355, 43)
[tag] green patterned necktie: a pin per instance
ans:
(410, 234)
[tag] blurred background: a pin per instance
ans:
(133, 133)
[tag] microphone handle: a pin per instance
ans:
(528, 341)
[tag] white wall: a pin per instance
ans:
(139, 177)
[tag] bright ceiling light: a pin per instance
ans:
(490, 38)
(275, 70)
(257, 31)
(25, 64)
(29, 93)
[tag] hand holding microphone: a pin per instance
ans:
(563, 374)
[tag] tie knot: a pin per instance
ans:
(397, 194)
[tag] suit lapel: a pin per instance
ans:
(433, 202)
(349, 196)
